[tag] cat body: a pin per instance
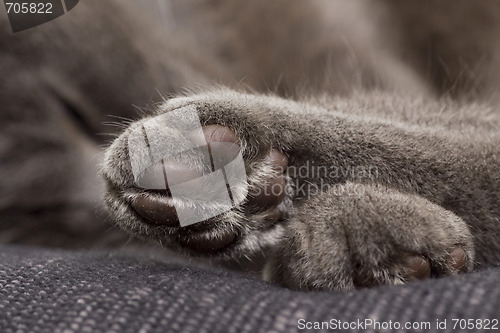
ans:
(394, 171)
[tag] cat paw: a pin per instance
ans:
(418, 267)
(195, 183)
(369, 235)
(161, 212)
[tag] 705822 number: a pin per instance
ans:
(477, 324)
(29, 7)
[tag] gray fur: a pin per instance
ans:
(331, 85)
(426, 171)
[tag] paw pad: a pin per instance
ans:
(200, 169)
(199, 177)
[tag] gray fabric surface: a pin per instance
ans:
(56, 291)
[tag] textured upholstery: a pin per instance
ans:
(57, 291)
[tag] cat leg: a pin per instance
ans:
(357, 235)
(429, 156)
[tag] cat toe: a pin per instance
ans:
(155, 211)
(414, 268)
(418, 268)
(272, 190)
(278, 160)
(458, 259)
(214, 133)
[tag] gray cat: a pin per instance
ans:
(371, 148)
